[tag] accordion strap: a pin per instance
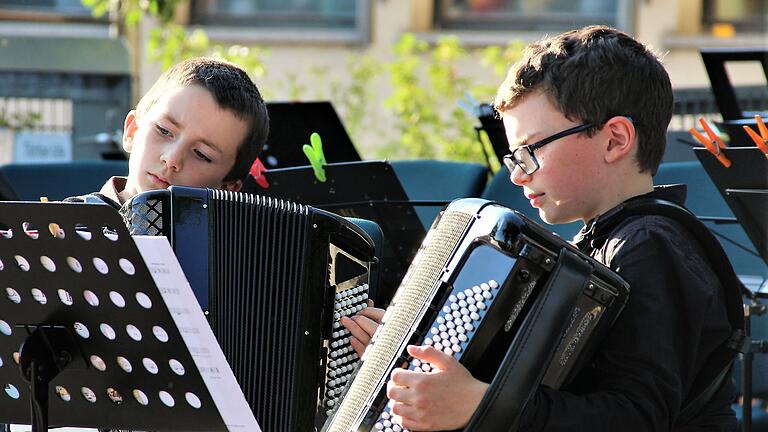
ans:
(521, 370)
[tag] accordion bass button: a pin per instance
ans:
(485, 286)
(493, 284)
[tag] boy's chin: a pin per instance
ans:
(553, 218)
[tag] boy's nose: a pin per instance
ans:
(519, 177)
(172, 157)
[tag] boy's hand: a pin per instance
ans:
(362, 326)
(442, 399)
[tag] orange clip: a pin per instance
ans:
(761, 141)
(714, 143)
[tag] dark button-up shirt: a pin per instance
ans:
(674, 319)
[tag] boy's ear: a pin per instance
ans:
(129, 130)
(233, 186)
(621, 138)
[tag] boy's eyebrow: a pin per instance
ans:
(519, 142)
(177, 124)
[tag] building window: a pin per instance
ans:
(743, 15)
(527, 14)
(66, 8)
(289, 14)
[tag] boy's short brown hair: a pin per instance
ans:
(595, 73)
(232, 89)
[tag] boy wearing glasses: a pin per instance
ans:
(585, 114)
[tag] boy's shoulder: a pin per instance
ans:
(93, 198)
(109, 194)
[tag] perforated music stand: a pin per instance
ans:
(83, 316)
(367, 190)
(744, 186)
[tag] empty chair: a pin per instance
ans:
(29, 182)
(444, 181)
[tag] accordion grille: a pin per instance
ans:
(259, 250)
(413, 293)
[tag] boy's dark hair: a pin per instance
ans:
(595, 73)
(232, 89)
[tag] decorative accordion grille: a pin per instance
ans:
(252, 317)
(145, 219)
(411, 296)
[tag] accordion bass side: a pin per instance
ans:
(514, 303)
(274, 278)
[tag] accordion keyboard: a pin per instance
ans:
(450, 332)
(342, 358)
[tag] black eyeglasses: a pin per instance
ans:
(523, 156)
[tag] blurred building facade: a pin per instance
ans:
(324, 33)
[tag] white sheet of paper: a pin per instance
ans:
(196, 332)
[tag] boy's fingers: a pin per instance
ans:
(368, 325)
(360, 327)
(404, 377)
(429, 354)
(358, 346)
(372, 313)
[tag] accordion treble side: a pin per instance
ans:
(274, 278)
(503, 296)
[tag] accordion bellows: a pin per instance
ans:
(487, 286)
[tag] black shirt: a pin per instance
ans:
(675, 317)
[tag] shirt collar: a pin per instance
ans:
(675, 193)
(113, 187)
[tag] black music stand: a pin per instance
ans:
(744, 186)
(725, 96)
(291, 124)
(366, 190)
(85, 321)
(493, 126)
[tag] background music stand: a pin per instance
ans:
(366, 190)
(124, 299)
(725, 95)
(291, 124)
(744, 186)
(493, 126)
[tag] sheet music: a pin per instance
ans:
(196, 332)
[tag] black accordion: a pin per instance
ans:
(514, 303)
(274, 278)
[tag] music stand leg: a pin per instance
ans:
(45, 353)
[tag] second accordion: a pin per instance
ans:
(274, 278)
(515, 304)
